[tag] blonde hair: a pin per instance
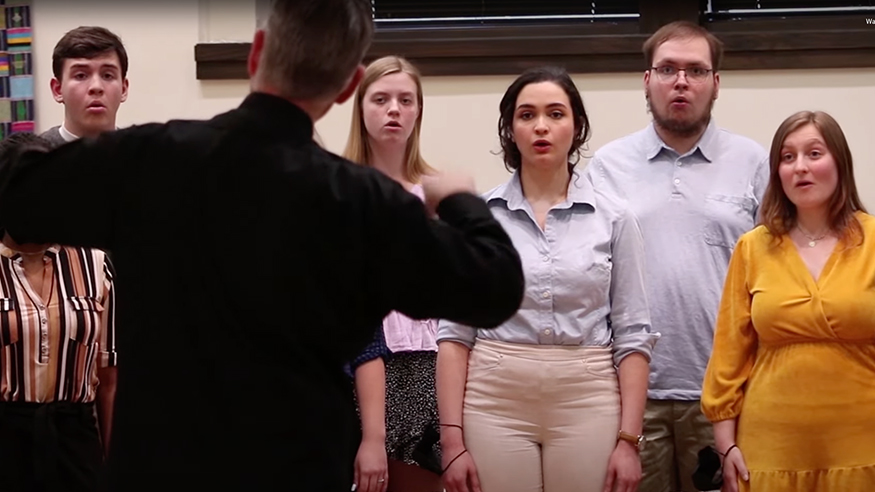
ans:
(358, 148)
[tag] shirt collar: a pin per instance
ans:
(706, 144)
(10, 253)
(66, 135)
(277, 116)
(580, 191)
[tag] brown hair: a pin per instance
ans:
(778, 213)
(510, 153)
(312, 47)
(87, 42)
(683, 30)
(358, 148)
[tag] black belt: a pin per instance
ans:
(46, 440)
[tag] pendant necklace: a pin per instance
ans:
(812, 241)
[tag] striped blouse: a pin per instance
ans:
(50, 351)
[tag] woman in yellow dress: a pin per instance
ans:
(790, 385)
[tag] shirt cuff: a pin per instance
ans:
(640, 343)
(107, 359)
(454, 332)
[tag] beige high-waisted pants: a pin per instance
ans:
(541, 418)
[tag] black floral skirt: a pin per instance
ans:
(412, 431)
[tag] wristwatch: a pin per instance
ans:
(637, 441)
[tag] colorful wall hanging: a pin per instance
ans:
(16, 68)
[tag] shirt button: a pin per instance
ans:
(43, 321)
(677, 181)
(547, 332)
(546, 258)
(546, 294)
(678, 164)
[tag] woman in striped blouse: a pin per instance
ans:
(57, 359)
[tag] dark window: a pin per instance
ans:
(493, 11)
(789, 7)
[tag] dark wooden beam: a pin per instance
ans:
(475, 50)
(799, 59)
(594, 47)
(524, 41)
(765, 42)
(804, 42)
(221, 61)
(509, 65)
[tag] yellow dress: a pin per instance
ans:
(794, 360)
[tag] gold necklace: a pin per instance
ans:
(812, 241)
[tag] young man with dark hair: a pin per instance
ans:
(90, 67)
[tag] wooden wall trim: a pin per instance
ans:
(595, 47)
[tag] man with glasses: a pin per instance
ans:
(695, 189)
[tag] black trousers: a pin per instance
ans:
(50, 447)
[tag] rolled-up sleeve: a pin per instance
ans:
(377, 349)
(455, 332)
(630, 315)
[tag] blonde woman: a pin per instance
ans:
(384, 134)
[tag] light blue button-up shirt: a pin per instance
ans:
(584, 274)
(692, 208)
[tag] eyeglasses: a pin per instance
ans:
(693, 74)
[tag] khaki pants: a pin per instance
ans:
(675, 431)
(541, 418)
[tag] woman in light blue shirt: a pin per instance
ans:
(553, 399)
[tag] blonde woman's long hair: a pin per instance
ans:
(358, 147)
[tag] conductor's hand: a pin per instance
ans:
(438, 186)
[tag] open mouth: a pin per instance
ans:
(393, 124)
(804, 184)
(542, 145)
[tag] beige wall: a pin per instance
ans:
(460, 112)
(159, 36)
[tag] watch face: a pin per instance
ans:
(637, 441)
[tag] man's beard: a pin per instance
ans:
(678, 127)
